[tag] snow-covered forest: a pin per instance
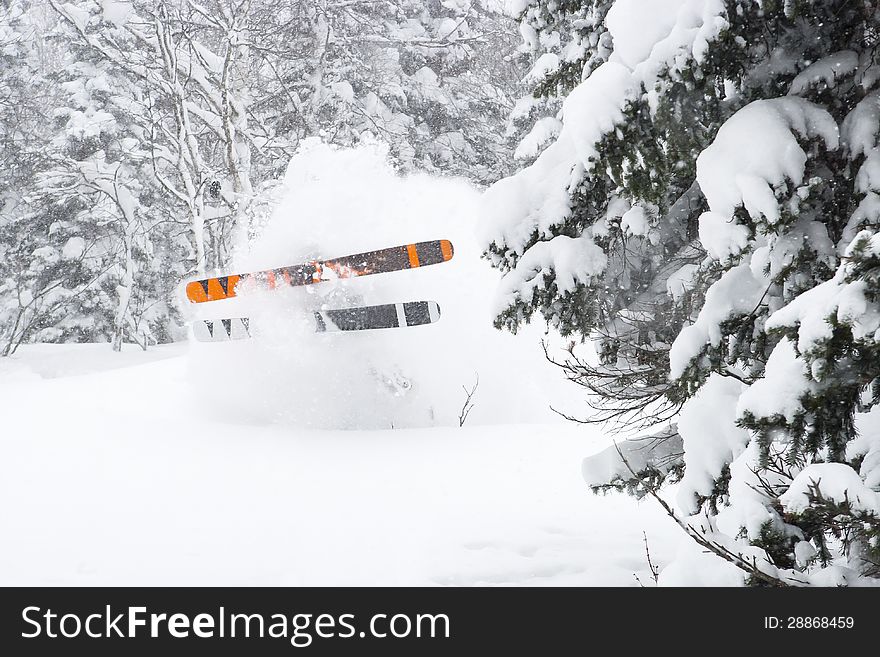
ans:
(657, 354)
(139, 136)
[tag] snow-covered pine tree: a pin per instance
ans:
(615, 189)
(708, 213)
(98, 162)
(44, 276)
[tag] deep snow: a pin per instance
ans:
(111, 474)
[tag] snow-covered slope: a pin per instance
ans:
(111, 474)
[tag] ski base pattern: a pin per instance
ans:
(395, 258)
(365, 318)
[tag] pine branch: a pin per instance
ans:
(751, 568)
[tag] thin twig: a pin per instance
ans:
(655, 572)
(468, 402)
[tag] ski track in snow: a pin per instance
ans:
(110, 474)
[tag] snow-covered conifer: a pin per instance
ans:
(707, 214)
(45, 279)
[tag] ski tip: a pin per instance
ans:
(211, 289)
(196, 292)
(446, 249)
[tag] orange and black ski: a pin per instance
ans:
(407, 256)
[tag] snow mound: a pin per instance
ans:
(721, 237)
(709, 413)
(756, 151)
(827, 71)
(737, 291)
(337, 202)
(836, 482)
(637, 27)
(780, 391)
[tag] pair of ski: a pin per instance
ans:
(394, 315)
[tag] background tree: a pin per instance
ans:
(44, 277)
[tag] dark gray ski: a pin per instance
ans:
(365, 318)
